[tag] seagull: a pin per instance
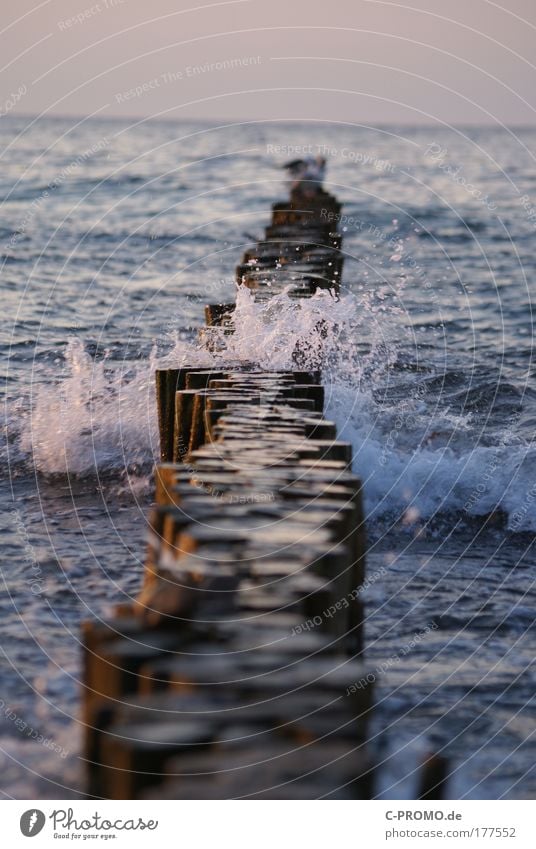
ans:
(306, 174)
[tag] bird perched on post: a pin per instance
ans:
(306, 174)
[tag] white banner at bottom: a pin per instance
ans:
(269, 825)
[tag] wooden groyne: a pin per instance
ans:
(238, 670)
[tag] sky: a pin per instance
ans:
(367, 61)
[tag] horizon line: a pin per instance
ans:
(233, 120)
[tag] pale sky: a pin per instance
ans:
(367, 61)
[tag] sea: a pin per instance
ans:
(113, 236)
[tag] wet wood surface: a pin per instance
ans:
(238, 671)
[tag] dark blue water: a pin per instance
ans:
(112, 237)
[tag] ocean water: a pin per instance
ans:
(112, 238)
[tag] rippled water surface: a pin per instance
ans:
(112, 238)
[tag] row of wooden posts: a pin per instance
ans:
(238, 671)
